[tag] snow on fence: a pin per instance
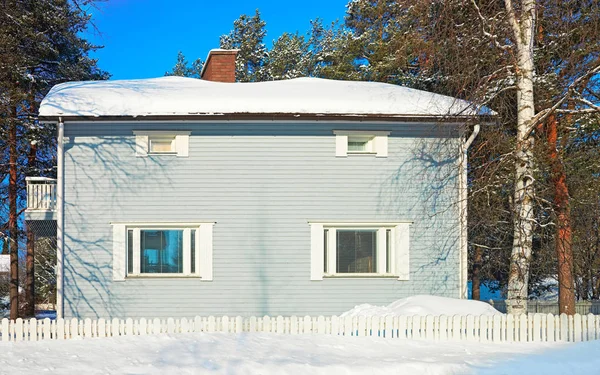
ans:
(495, 328)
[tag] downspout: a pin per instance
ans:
(60, 218)
(463, 187)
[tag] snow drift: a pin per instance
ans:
(425, 305)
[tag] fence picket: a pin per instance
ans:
(5, 330)
(591, 332)
(483, 328)
(184, 325)
(390, 326)
(443, 328)
(101, 327)
(470, 327)
(348, 326)
(74, 328)
(571, 328)
(577, 329)
(33, 330)
(544, 321)
(362, 320)
(456, 328)
(522, 328)
(18, 329)
(536, 328)
(429, 327)
(307, 324)
(376, 328)
(510, 328)
(281, 326)
(239, 324)
(411, 332)
(335, 325)
(550, 328)
(294, 325)
(321, 324)
(225, 321)
(211, 326)
(45, 329)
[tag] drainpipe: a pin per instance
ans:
(59, 218)
(463, 187)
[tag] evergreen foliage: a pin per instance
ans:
(183, 69)
(247, 36)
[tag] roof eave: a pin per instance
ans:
(278, 117)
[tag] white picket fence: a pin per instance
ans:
(497, 328)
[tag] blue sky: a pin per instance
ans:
(142, 38)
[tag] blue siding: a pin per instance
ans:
(261, 183)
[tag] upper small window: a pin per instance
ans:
(161, 144)
(352, 142)
(360, 144)
(152, 142)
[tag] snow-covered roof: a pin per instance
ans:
(179, 96)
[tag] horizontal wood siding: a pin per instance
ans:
(261, 183)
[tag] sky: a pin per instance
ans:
(141, 38)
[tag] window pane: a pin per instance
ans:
(161, 251)
(357, 146)
(356, 251)
(129, 251)
(193, 251)
(326, 236)
(388, 251)
(161, 145)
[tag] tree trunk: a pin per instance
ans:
(564, 232)
(30, 281)
(29, 265)
(475, 280)
(13, 229)
(518, 278)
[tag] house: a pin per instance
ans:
(182, 197)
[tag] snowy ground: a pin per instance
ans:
(267, 354)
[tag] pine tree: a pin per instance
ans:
(247, 36)
(288, 58)
(40, 46)
(183, 69)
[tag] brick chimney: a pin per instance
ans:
(220, 65)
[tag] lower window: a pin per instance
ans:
(357, 251)
(365, 249)
(160, 251)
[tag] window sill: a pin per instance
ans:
(162, 154)
(361, 153)
(361, 276)
(162, 276)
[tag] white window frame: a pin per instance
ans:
(179, 142)
(399, 254)
(377, 142)
(203, 249)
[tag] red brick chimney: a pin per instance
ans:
(220, 65)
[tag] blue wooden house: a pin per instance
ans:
(181, 197)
